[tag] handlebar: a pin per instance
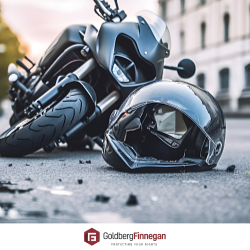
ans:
(103, 10)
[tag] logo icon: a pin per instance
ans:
(92, 236)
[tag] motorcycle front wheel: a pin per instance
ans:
(30, 135)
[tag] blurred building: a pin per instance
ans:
(215, 34)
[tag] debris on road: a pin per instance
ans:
(59, 190)
(6, 209)
(132, 200)
(60, 180)
(246, 173)
(102, 198)
(6, 183)
(80, 182)
(105, 217)
(190, 181)
(10, 165)
(6, 205)
(37, 214)
(205, 186)
(28, 179)
(13, 214)
(154, 198)
(82, 162)
(13, 191)
(231, 168)
(27, 165)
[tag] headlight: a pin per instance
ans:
(119, 74)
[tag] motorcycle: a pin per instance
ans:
(83, 76)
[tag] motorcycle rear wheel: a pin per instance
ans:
(45, 128)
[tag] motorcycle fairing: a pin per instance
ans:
(68, 37)
(103, 44)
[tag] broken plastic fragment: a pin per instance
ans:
(154, 198)
(132, 200)
(105, 217)
(13, 214)
(61, 192)
(102, 198)
(43, 188)
(190, 181)
(58, 187)
(231, 168)
(58, 190)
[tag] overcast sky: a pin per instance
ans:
(37, 23)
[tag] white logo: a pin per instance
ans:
(91, 236)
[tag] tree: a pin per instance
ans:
(10, 50)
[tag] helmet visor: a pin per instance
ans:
(170, 122)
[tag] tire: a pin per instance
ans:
(47, 128)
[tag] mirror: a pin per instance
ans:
(188, 68)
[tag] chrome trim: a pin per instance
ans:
(108, 101)
(85, 69)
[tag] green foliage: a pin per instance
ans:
(10, 50)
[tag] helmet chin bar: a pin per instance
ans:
(133, 161)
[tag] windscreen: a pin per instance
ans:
(158, 27)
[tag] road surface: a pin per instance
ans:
(57, 188)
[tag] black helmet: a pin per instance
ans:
(167, 125)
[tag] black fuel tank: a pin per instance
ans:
(68, 37)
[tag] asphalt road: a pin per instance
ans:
(57, 188)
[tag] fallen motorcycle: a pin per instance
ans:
(83, 76)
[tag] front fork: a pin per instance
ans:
(37, 106)
(51, 95)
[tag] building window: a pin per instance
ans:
(247, 73)
(202, 1)
(182, 41)
(182, 6)
(224, 80)
(226, 27)
(203, 35)
(201, 81)
(163, 9)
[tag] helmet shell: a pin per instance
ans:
(197, 104)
